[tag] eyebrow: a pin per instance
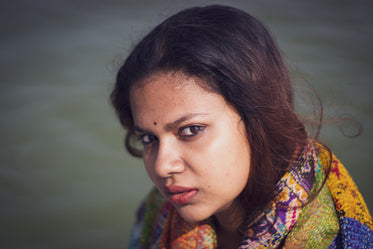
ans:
(176, 123)
(183, 119)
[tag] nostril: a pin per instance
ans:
(168, 165)
(167, 157)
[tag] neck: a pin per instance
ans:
(228, 223)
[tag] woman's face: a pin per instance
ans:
(195, 146)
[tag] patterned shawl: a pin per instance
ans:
(338, 217)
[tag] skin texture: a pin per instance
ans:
(199, 142)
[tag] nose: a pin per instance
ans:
(168, 159)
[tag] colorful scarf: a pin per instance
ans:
(337, 217)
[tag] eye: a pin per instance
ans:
(190, 131)
(147, 139)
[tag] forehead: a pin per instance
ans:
(171, 83)
(166, 86)
(168, 95)
(173, 80)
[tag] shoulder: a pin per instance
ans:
(354, 218)
(147, 217)
(347, 198)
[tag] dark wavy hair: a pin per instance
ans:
(235, 56)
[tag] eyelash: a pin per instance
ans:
(150, 137)
(193, 129)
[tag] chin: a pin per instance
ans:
(192, 215)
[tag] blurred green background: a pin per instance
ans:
(65, 179)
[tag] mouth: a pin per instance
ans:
(181, 195)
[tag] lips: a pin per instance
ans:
(181, 195)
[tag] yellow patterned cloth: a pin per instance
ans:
(348, 200)
(336, 218)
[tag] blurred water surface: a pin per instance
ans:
(66, 181)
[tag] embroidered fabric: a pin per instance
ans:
(336, 218)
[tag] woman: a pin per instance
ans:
(208, 95)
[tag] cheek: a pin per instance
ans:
(149, 166)
(209, 159)
(227, 173)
